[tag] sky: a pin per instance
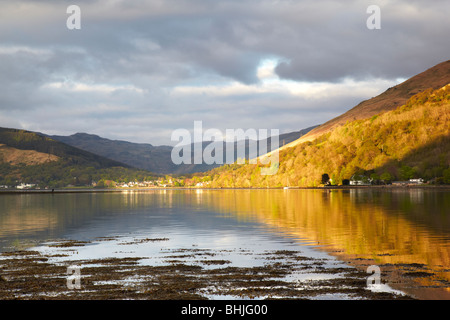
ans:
(137, 70)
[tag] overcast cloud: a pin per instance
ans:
(139, 69)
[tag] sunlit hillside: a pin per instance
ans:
(30, 158)
(412, 141)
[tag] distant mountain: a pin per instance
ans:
(34, 158)
(435, 78)
(27, 140)
(251, 150)
(138, 155)
(157, 158)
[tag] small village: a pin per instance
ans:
(199, 182)
(161, 182)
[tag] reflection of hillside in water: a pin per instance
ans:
(43, 216)
(390, 227)
(20, 215)
(37, 216)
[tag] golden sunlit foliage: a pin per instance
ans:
(411, 141)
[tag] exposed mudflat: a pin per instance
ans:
(187, 273)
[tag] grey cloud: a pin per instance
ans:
(409, 41)
(158, 45)
(323, 41)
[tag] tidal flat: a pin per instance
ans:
(190, 273)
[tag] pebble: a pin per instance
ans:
(4, 278)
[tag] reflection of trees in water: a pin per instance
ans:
(391, 227)
(408, 226)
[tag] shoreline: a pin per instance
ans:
(94, 190)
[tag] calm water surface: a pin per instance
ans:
(398, 228)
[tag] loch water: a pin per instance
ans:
(403, 230)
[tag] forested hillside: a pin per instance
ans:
(27, 157)
(412, 141)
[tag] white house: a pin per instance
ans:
(360, 181)
(25, 186)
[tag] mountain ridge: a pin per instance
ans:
(29, 140)
(156, 159)
(411, 141)
(434, 77)
(30, 157)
